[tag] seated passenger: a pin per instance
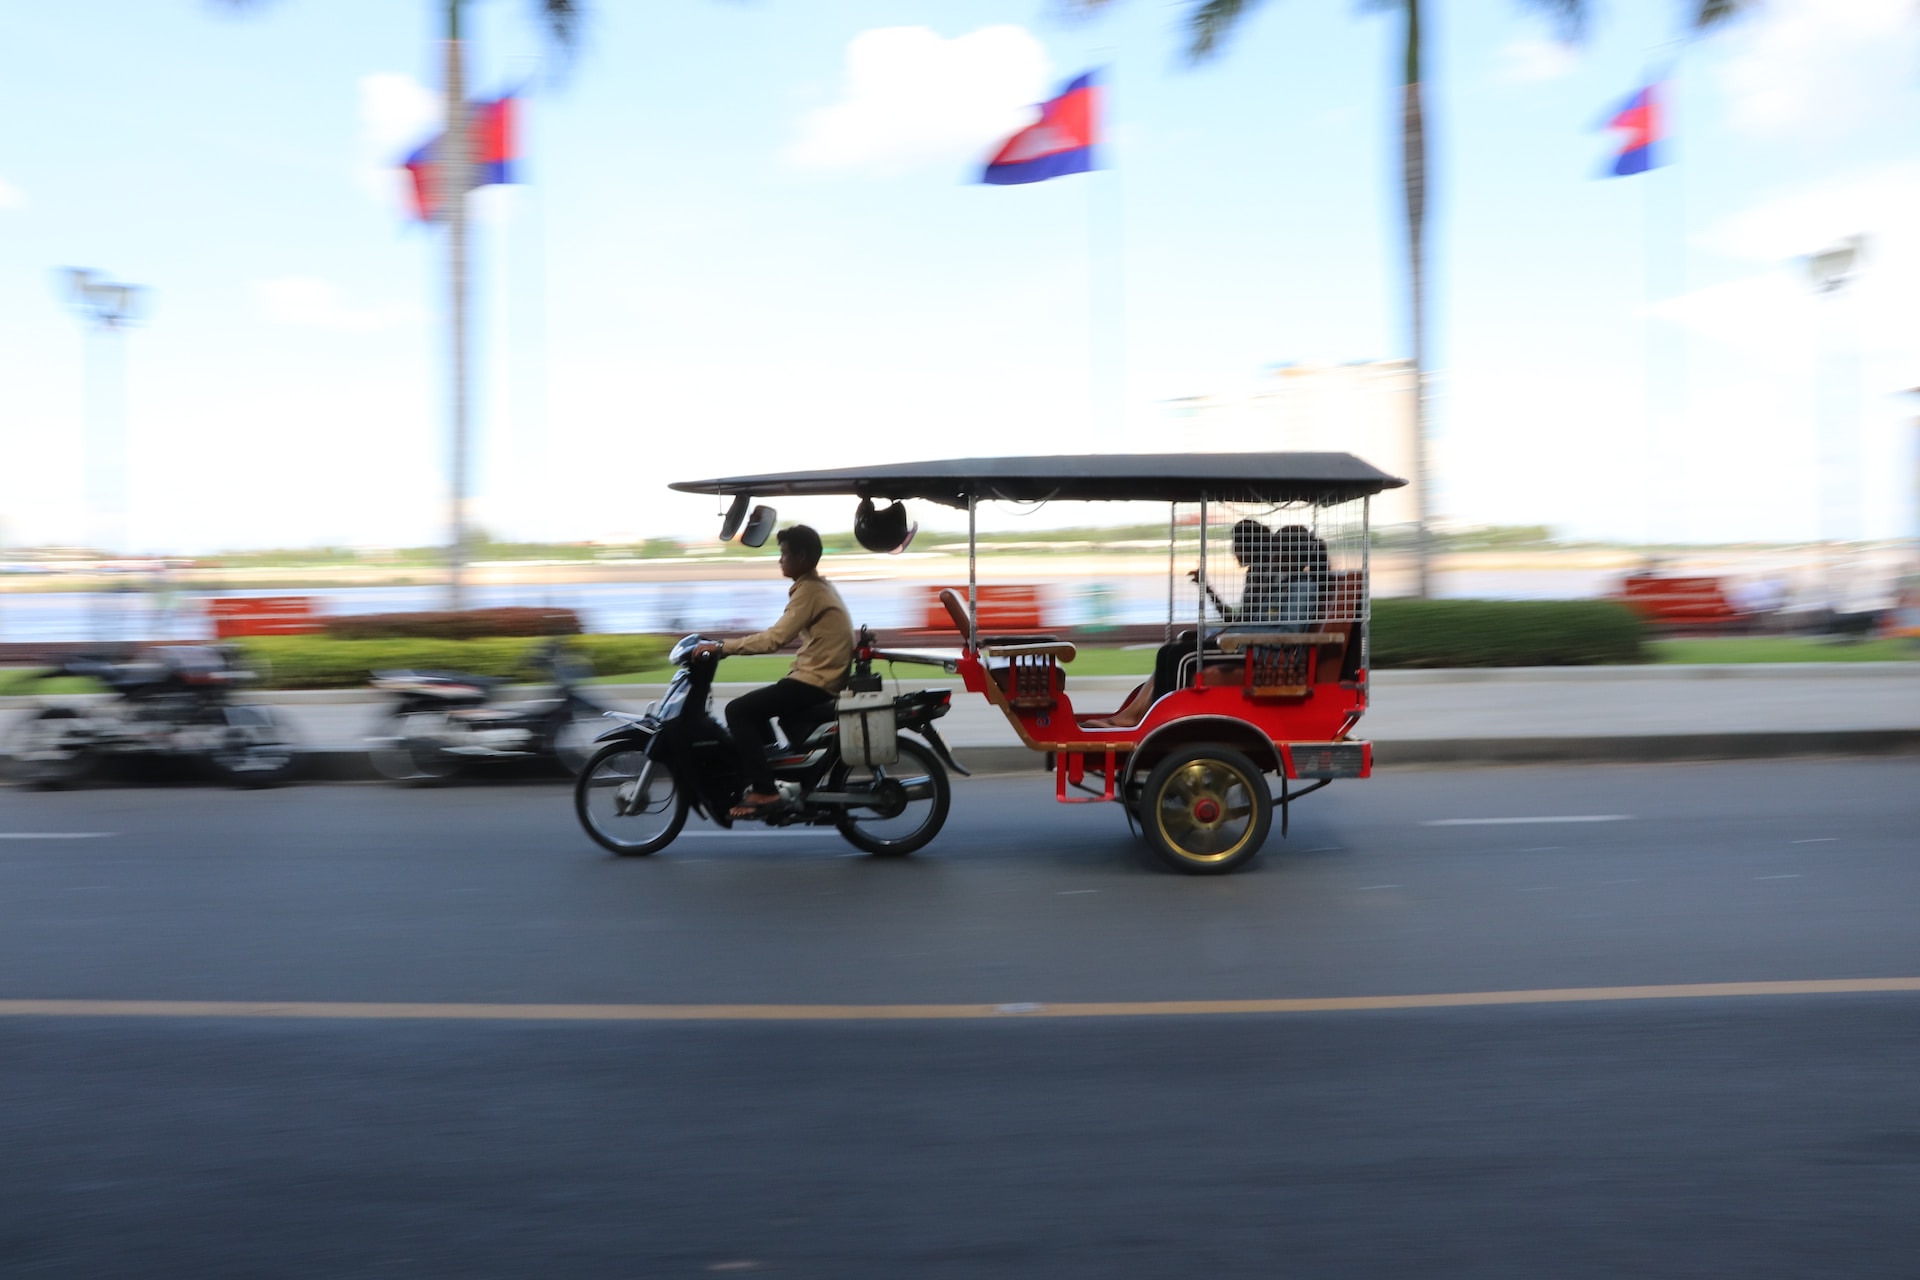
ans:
(1303, 572)
(1256, 550)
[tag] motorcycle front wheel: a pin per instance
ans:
(573, 742)
(254, 751)
(632, 806)
(43, 751)
(406, 748)
(910, 801)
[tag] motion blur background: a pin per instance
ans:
(749, 236)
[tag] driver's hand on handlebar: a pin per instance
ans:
(706, 647)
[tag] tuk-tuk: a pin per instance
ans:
(1263, 669)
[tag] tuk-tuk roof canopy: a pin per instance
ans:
(1104, 477)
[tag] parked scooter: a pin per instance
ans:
(442, 721)
(885, 792)
(174, 701)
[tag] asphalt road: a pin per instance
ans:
(1752, 1135)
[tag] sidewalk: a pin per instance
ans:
(1490, 716)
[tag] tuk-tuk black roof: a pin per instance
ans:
(1107, 477)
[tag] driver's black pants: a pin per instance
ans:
(750, 720)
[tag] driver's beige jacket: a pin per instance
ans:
(817, 617)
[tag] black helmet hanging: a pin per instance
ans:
(883, 531)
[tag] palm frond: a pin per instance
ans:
(1569, 16)
(563, 20)
(1708, 13)
(1211, 22)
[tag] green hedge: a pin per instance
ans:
(316, 662)
(1505, 633)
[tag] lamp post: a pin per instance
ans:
(1831, 272)
(106, 308)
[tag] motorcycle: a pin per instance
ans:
(442, 721)
(887, 793)
(174, 702)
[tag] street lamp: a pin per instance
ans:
(1831, 272)
(106, 308)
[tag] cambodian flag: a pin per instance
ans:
(1641, 121)
(1059, 143)
(491, 139)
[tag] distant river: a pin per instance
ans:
(678, 607)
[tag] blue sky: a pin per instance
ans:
(749, 240)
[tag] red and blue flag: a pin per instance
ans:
(1641, 121)
(492, 141)
(1059, 143)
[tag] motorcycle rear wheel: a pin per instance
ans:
(632, 806)
(912, 796)
(41, 752)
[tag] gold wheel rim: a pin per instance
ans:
(1205, 811)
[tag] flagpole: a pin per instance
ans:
(455, 175)
(1106, 289)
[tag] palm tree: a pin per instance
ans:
(1210, 22)
(452, 176)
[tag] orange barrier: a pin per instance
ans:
(263, 616)
(1002, 609)
(1680, 602)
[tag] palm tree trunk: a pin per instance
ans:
(455, 174)
(1414, 176)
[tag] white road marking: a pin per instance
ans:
(1817, 840)
(57, 835)
(1514, 822)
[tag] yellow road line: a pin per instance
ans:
(922, 1012)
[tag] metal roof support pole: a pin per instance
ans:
(1173, 566)
(1200, 626)
(1365, 608)
(973, 578)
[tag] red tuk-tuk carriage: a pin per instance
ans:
(1266, 675)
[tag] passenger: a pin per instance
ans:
(1261, 593)
(1303, 574)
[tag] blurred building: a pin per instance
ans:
(1364, 408)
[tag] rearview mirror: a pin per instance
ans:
(759, 527)
(735, 514)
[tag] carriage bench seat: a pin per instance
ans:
(1279, 664)
(1031, 676)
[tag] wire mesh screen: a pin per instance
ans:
(1267, 566)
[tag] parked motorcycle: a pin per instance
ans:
(442, 721)
(175, 701)
(885, 792)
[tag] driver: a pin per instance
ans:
(818, 618)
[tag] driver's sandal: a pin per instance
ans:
(752, 805)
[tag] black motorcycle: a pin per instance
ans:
(174, 702)
(886, 793)
(442, 721)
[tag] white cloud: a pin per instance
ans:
(1535, 59)
(911, 98)
(1817, 68)
(11, 197)
(310, 303)
(397, 114)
